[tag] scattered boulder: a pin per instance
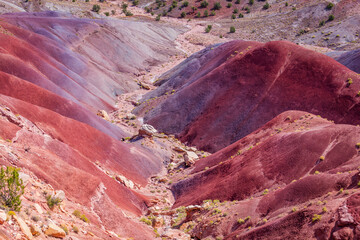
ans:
(345, 218)
(190, 158)
(158, 222)
(38, 208)
(345, 233)
(128, 183)
(144, 86)
(2, 216)
(60, 195)
(179, 149)
(103, 114)
(54, 231)
(35, 230)
(148, 130)
(24, 177)
(130, 116)
(24, 228)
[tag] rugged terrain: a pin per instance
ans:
(254, 138)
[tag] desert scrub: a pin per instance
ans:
(316, 218)
(11, 188)
(146, 221)
(64, 227)
(52, 201)
(349, 81)
(329, 6)
(232, 29)
(208, 28)
(266, 191)
(80, 215)
(75, 229)
(95, 8)
(322, 158)
(240, 221)
(217, 6)
(324, 210)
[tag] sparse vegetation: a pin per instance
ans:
(80, 215)
(316, 218)
(11, 188)
(266, 6)
(208, 28)
(204, 4)
(331, 18)
(232, 29)
(52, 201)
(251, 2)
(95, 8)
(329, 6)
(217, 6)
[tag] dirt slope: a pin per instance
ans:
(224, 93)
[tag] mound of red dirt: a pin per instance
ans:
(293, 146)
(231, 90)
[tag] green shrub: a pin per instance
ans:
(232, 29)
(95, 8)
(146, 221)
(241, 221)
(217, 6)
(316, 218)
(11, 188)
(233, 16)
(204, 4)
(286, 4)
(158, 17)
(235, 11)
(266, 6)
(107, 14)
(237, 2)
(185, 4)
(322, 23)
(206, 13)
(251, 2)
(213, 13)
(241, 15)
(136, 2)
(80, 215)
(198, 14)
(208, 28)
(331, 17)
(183, 14)
(329, 6)
(52, 201)
(229, 5)
(266, 191)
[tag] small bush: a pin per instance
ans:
(251, 2)
(52, 201)
(198, 14)
(322, 23)
(329, 6)
(331, 18)
(213, 13)
(136, 2)
(183, 14)
(208, 28)
(235, 11)
(241, 15)
(266, 6)
(80, 215)
(217, 6)
(158, 17)
(241, 221)
(229, 5)
(11, 188)
(237, 2)
(294, 209)
(232, 29)
(322, 158)
(107, 14)
(206, 13)
(233, 16)
(316, 218)
(204, 4)
(185, 4)
(146, 221)
(95, 8)
(266, 191)
(286, 4)
(324, 210)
